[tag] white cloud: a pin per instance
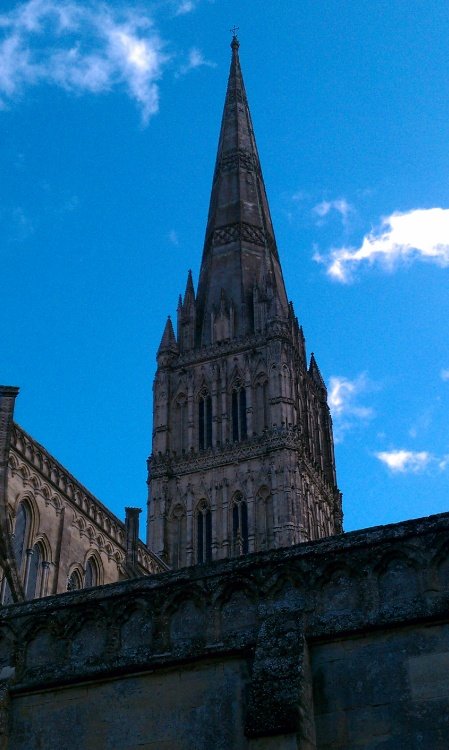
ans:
(404, 462)
(412, 462)
(346, 411)
(81, 47)
(340, 205)
(195, 60)
(421, 234)
(444, 374)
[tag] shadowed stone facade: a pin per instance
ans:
(243, 456)
(55, 535)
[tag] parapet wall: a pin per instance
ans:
(338, 644)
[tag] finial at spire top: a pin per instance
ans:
(235, 44)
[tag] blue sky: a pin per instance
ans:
(109, 120)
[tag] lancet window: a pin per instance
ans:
(177, 532)
(239, 427)
(240, 525)
(204, 533)
(264, 519)
(21, 533)
(91, 574)
(205, 420)
(181, 423)
(34, 584)
(261, 406)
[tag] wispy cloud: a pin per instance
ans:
(173, 237)
(185, 6)
(81, 47)
(444, 374)
(412, 462)
(344, 404)
(339, 206)
(421, 234)
(195, 59)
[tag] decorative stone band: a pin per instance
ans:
(255, 447)
(241, 232)
(237, 159)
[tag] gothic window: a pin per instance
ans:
(203, 533)
(239, 429)
(74, 581)
(205, 420)
(240, 525)
(264, 519)
(177, 537)
(91, 574)
(35, 573)
(261, 406)
(21, 533)
(180, 438)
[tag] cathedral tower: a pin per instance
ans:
(243, 456)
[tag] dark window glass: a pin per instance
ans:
(208, 535)
(201, 423)
(242, 414)
(200, 532)
(208, 422)
(34, 574)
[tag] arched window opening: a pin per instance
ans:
(181, 424)
(261, 410)
(204, 534)
(74, 581)
(240, 525)
(205, 420)
(239, 428)
(91, 574)
(35, 573)
(264, 520)
(21, 534)
(177, 538)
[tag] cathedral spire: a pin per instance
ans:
(239, 234)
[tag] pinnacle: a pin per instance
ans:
(168, 340)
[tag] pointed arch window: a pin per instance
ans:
(181, 423)
(205, 420)
(239, 427)
(261, 406)
(21, 533)
(91, 574)
(74, 581)
(240, 525)
(35, 573)
(203, 533)
(177, 537)
(264, 519)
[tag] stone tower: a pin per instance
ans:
(242, 455)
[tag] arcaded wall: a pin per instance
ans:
(334, 645)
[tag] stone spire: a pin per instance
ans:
(239, 235)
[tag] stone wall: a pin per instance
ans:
(338, 644)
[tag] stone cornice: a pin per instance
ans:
(273, 440)
(212, 352)
(347, 584)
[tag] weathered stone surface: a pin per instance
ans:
(191, 659)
